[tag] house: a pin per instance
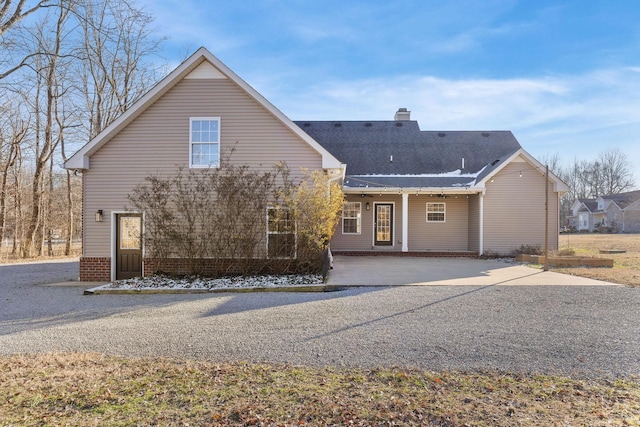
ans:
(618, 212)
(447, 192)
(407, 190)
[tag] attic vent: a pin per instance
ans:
(398, 124)
(368, 125)
(442, 134)
(485, 134)
(337, 125)
(307, 125)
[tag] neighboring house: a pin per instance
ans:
(585, 215)
(407, 190)
(618, 212)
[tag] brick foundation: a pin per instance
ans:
(221, 267)
(95, 269)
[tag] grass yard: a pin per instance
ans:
(92, 389)
(6, 257)
(626, 267)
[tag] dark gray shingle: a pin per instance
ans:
(401, 148)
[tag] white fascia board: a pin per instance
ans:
(412, 190)
(80, 160)
(559, 185)
(576, 205)
(328, 160)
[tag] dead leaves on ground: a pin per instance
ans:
(96, 389)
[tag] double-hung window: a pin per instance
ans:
(351, 218)
(436, 212)
(204, 142)
(281, 233)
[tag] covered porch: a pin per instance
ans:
(411, 222)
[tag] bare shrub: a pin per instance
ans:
(236, 219)
(529, 250)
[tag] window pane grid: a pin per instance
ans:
(351, 218)
(383, 224)
(281, 234)
(436, 212)
(205, 142)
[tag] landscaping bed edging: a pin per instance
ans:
(566, 261)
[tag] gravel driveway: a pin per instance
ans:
(591, 331)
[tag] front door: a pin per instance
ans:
(128, 246)
(383, 225)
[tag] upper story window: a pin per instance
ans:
(204, 142)
(351, 218)
(436, 212)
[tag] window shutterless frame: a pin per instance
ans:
(352, 218)
(281, 234)
(436, 212)
(204, 142)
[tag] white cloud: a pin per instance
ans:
(575, 116)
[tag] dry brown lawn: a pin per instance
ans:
(626, 267)
(6, 257)
(93, 389)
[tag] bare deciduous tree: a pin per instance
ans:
(116, 40)
(46, 134)
(12, 132)
(616, 174)
(11, 13)
(76, 65)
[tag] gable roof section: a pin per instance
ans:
(635, 206)
(623, 199)
(590, 205)
(558, 184)
(195, 63)
(397, 154)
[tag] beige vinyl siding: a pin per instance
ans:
(364, 240)
(613, 216)
(628, 221)
(514, 210)
(474, 223)
(157, 142)
(451, 235)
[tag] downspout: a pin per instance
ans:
(343, 169)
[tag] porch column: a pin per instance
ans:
(481, 237)
(405, 222)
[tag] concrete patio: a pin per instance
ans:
(423, 271)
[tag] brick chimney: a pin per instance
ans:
(402, 114)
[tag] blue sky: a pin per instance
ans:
(563, 75)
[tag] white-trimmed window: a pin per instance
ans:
(351, 218)
(281, 233)
(204, 142)
(436, 212)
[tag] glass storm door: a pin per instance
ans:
(129, 246)
(383, 226)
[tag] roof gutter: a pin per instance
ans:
(412, 190)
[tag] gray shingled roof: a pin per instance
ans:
(590, 204)
(399, 154)
(623, 199)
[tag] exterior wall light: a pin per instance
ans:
(99, 215)
(368, 206)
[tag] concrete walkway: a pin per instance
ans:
(416, 271)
